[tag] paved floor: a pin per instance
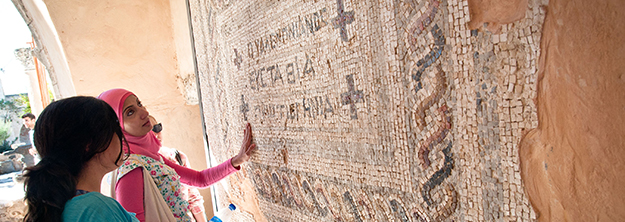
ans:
(12, 207)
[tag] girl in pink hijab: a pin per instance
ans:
(148, 184)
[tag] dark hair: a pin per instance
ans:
(29, 115)
(68, 133)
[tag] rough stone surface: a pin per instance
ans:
(368, 110)
(11, 163)
(26, 57)
(12, 205)
(12, 212)
(493, 13)
(572, 164)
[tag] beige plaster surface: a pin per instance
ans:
(572, 164)
(131, 45)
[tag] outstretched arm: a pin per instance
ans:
(202, 178)
(209, 176)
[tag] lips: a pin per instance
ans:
(147, 123)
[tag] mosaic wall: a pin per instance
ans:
(369, 110)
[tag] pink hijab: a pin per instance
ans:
(146, 145)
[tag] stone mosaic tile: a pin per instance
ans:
(369, 110)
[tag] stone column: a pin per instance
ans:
(34, 93)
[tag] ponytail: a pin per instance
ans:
(68, 133)
(46, 203)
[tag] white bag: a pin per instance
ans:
(155, 207)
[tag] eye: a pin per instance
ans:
(130, 112)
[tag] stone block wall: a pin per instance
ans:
(368, 110)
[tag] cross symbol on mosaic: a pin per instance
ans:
(237, 59)
(352, 96)
(342, 19)
(244, 108)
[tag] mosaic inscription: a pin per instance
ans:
(367, 110)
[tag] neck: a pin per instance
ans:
(90, 178)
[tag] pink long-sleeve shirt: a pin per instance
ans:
(129, 188)
(196, 201)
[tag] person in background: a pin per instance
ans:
(146, 170)
(79, 140)
(191, 194)
(24, 137)
(29, 122)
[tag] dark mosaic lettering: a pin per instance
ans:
(237, 59)
(290, 72)
(275, 74)
(308, 68)
(293, 113)
(308, 25)
(272, 74)
(259, 77)
(328, 107)
(244, 108)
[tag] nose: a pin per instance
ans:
(144, 113)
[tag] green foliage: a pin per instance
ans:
(25, 101)
(8, 105)
(50, 95)
(5, 146)
(5, 130)
(5, 133)
(10, 108)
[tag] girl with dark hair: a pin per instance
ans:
(79, 140)
(150, 185)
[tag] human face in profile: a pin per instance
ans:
(135, 116)
(28, 122)
(113, 156)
